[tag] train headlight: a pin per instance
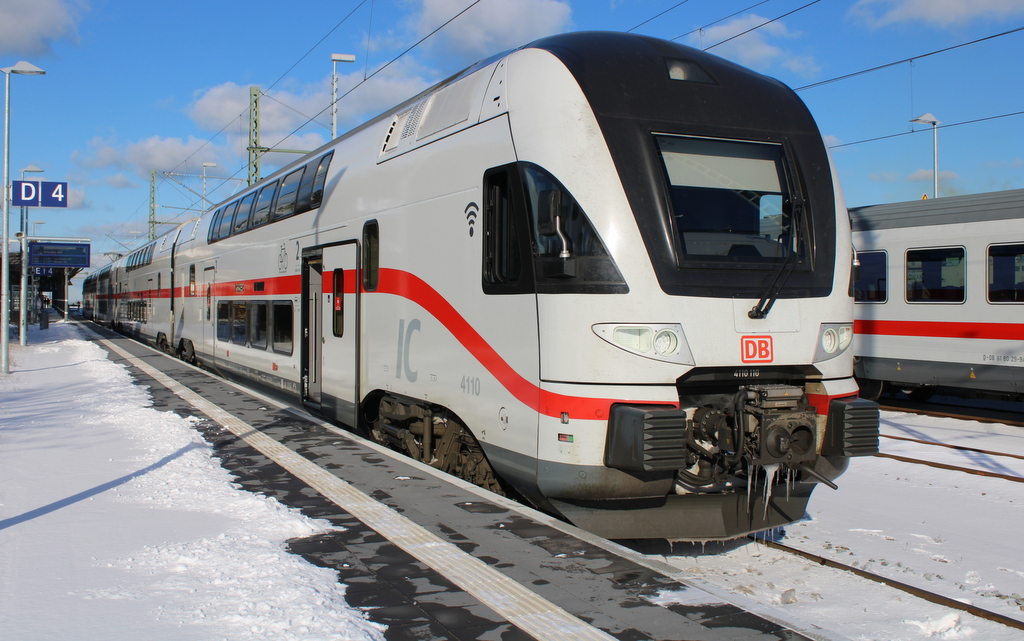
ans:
(666, 342)
(833, 340)
(661, 342)
(845, 336)
(635, 339)
(830, 340)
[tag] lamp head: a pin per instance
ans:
(26, 68)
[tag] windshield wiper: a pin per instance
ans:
(782, 275)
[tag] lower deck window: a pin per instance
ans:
(224, 321)
(1006, 274)
(282, 327)
(258, 325)
(935, 275)
(871, 283)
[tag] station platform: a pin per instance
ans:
(433, 557)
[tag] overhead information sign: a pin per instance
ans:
(58, 254)
(33, 193)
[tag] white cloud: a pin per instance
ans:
(925, 175)
(889, 176)
(937, 13)
(493, 26)
(754, 49)
(120, 181)
(30, 27)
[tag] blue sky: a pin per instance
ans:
(133, 87)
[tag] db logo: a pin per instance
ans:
(757, 349)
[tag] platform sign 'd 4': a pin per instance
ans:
(33, 193)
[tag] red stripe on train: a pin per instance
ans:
(941, 329)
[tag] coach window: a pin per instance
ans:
(242, 215)
(289, 192)
(214, 226)
(318, 183)
(305, 197)
(1006, 274)
(339, 303)
(282, 327)
(258, 324)
(224, 229)
(935, 275)
(223, 321)
(371, 255)
(239, 322)
(261, 214)
(871, 286)
(191, 280)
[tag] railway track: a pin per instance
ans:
(964, 413)
(931, 597)
(954, 468)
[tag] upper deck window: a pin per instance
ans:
(730, 200)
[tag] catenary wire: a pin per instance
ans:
(906, 60)
(679, 4)
(767, 22)
(731, 15)
(946, 126)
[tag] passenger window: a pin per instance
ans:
(871, 285)
(261, 214)
(338, 313)
(1006, 274)
(223, 321)
(191, 280)
(305, 189)
(936, 275)
(224, 229)
(242, 215)
(211, 236)
(239, 323)
(258, 325)
(371, 258)
(282, 327)
(289, 192)
(318, 183)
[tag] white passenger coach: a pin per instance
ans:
(940, 295)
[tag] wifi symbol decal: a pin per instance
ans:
(471, 214)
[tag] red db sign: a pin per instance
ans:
(757, 349)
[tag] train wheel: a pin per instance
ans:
(870, 389)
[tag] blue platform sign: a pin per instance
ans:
(33, 193)
(58, 254)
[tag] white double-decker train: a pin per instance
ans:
(605, 272)
(940, 296)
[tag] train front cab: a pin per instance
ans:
(709, 386)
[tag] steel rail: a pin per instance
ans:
(961, 448)
(931, 597)
(955, 468)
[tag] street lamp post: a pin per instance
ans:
(205, 165)
(335, 59)
(929, 119)
(23, 313)
(5, 282)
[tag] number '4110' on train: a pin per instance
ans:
(607, 273)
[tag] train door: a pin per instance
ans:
(312, 334)
(204, 311)
(331, 331)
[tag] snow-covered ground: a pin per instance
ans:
(117, 522)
